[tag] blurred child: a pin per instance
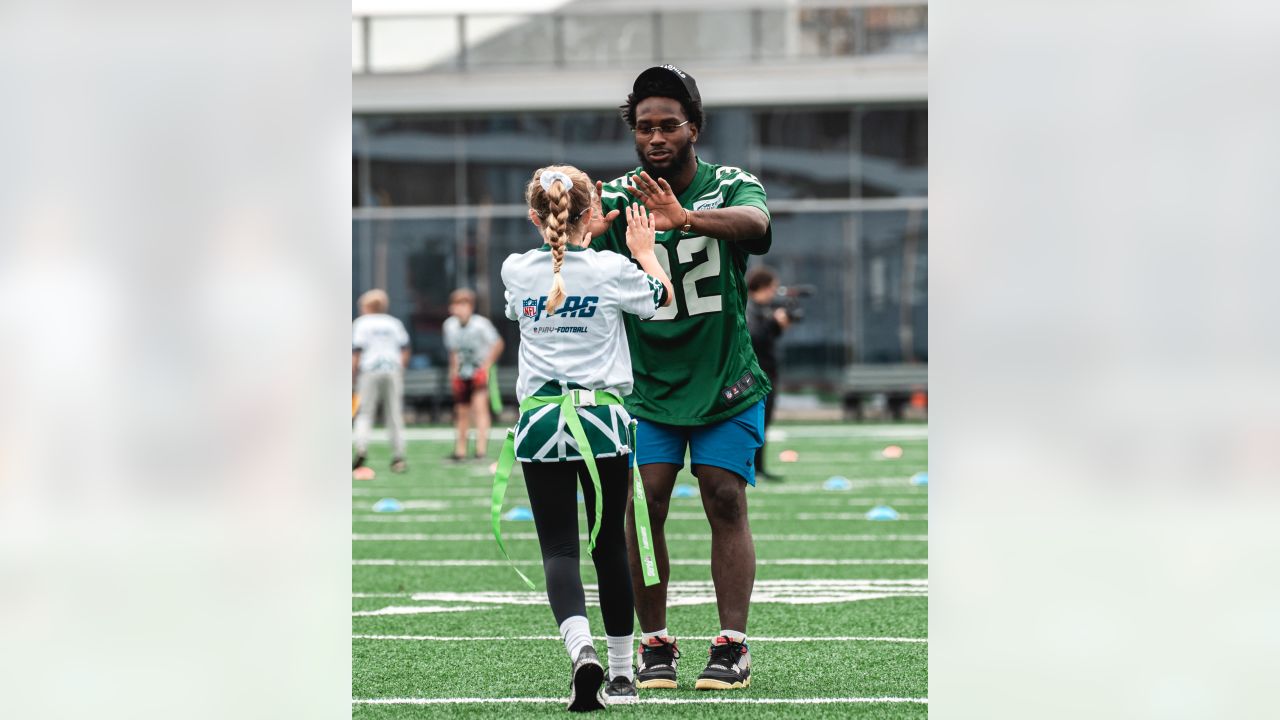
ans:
(474, 346)
(575, 368)
(379, 354)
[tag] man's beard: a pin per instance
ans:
(680, 161)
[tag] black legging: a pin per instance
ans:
(552, 491)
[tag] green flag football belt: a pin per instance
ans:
(495, 393)
(569, 403)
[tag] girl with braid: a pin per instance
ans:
(575, 368)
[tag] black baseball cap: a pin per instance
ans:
(666, 81)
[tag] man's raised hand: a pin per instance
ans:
(658, 199)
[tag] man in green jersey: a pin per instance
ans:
(698, 386)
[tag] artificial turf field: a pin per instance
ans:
(442, 627)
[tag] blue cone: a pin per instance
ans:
(518, 513)
(684, 491)
(837, 482)
(388, 505)
(920, 478)
(882, 512)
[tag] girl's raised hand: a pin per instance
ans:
(641, 227)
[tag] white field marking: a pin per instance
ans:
(752, 639)
(675, 516)
(396, 518)
(646, 701)
(861, 459)
(818, 473)
(681, 593)
(853, 516)
(809, 491)
(812, 500)
(417, 610)
(806, 488)
(841, 432)
(691, 592)
(876, 480)
(473, 537)
(674, 561)
(815, 495)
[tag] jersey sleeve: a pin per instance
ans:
(402, 335)
(639, 293)
(509, 309)
(746, 191)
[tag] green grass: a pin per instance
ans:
(452, 499)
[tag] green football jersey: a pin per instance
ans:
(693, 362)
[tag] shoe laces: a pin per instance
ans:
(726, 653)
(663, 653)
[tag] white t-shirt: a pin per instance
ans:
(379, 338)
(472, 342)
(585, 342)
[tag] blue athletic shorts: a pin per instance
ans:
(730, 444)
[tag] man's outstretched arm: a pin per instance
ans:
(741, 222)
(745, 222)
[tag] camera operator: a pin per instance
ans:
(766, 321)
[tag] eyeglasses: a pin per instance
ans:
(665, 128)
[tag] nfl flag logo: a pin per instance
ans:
(530, 307)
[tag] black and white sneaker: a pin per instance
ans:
(586, 689)
(358, 461)
(621, 690)
(657, 669)
(728, 668)
(398, 465)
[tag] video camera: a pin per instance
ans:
(788, 298)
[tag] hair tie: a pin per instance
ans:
(550, 176)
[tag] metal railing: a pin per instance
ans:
(593, 36)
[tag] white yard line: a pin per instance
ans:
(477, 516)
(473, 537)
(645, 701)
(790, 487)
(677, 562)
(496, 638)
(675, 516)
(679, 593)
(808, 488)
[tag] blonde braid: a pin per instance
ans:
(557, 235)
